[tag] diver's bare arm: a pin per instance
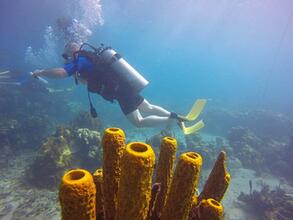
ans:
(56, 73)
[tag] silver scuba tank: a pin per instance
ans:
(132, 77)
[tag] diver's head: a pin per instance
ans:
(63, 23)
(69, 50)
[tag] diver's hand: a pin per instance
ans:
(37, 73)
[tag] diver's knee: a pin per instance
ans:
(135, 121)
(137, 124)
(145, 106)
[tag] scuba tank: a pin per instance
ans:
(123, 69)
(131, 79)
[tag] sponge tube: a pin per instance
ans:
(218, 180)
(113, 147)
(77, 195)
(134, 193)
(184, 182)
(165, 170)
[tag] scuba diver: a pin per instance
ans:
(106, 73)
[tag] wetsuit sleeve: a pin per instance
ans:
(70, 68)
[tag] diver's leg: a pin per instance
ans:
(150, 121)
(146, 107)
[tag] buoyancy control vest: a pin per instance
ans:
(111, 74)
(101, 79)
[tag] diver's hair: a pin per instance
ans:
(70, 44)
(70, 48)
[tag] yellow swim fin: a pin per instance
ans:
(196, 109)
(192, 129)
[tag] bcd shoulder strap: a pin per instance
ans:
(101, 80)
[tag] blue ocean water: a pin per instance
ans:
(237, 53)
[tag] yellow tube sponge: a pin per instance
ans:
(98, 180)
(134, 193)
(218, 180)
(77, 195)
(183, 186)
(194, 200)
(113, 147)
(165, 170)
(210, 209)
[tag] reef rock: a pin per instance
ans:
(88, 146)
(66, 148)
(265, 124)
(269, 204)
(209, 150)
(194, 140)
(27, 114)
(155, 141)
(85, 120)
(262, 154)
(247, 147)
(52, 159)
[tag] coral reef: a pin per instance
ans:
(85, 120)
(194, 140)
(262, 155)
(247, 147)
(208, 150)
(52, 159)
(130, 172)
(284, 163)
(59, 151)
(269, 204)
(87, 145)
(265, 124)
(155, 141)
(77, 195)
(27, 114)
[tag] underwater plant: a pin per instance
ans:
(124, 187)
